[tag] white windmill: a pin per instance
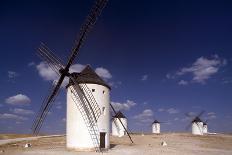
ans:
(196, 124)
(79, 135)
(156, 127)
(88, 98)
(205, 127)
(119, 129)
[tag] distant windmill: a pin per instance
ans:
(119, 129)
(205, 127)
(156, 126)
(87, 96)
(197, 123)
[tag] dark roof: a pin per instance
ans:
(155, 121)
(88, 75)
(197, 119)
(119, 115)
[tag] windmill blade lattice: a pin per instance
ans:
(45, 107)
(86, 28)
(50, 58)
(57, 65)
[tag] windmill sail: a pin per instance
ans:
(45, 107)
(50, 58)
(57, 65)
(86, 28)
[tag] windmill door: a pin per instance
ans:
(102, 139)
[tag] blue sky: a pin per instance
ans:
(162, 58)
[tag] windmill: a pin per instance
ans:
(205, 127)
(156, 126)
(84, 110)
(197, 123)
(119, 129)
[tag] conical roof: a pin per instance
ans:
(119, 114)
(155, 121)
(197, 119)
(88, 75)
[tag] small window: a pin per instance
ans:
(104, 110)
(93, 90)
(103, 91)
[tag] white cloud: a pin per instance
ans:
(49, 75)
(18, 122)
(191, 114)
(12, 74)
(123, 106)
(76, 68)
(161, 109)
(12, 116)
(227, 80)
(170, 76)
(172, 111)
(18, 99)
(145, 116)
(115, 84)
(186, 119)
(104, 73)
(31, 64)
(169, 110)
(144, 77)
(59, 107)
(203, 68)
(183, 82)
(46, 72)
(211, 115)
(22, 111)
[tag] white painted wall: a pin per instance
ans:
(77, 133)
(156, 128)
(205, 129)
(197, 128)
(117, 128)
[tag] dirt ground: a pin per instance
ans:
(150, 144)
(11, 136)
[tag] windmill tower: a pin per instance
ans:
(119, 129)
(205, 127)
(87, 95)
(156, 127)
(79, 135)
(197, 126)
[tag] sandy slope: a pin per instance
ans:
(178, 143)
